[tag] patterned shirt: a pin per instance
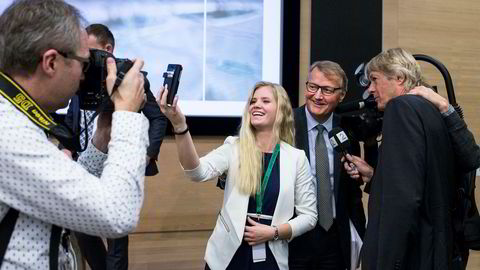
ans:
(47, 188)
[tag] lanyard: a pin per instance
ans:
(266, 177)
(16, 95)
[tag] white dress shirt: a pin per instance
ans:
(100, 195)
(312, 135)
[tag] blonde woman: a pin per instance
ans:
(267, 180)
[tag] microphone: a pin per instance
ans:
(356, 105)
(340, 142)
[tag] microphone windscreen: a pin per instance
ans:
(339, 139)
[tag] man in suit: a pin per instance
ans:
(116, 257)
(411, 194)
(339, 198)
(465, 151)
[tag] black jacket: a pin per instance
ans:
(409, 218)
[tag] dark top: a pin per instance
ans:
(243, 257)
(466, 150)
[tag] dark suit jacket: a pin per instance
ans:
(348, 195)
(409, 222)
(467, 152)
(156, 130)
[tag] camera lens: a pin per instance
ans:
(360, 76)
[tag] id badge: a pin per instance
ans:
(259, 253)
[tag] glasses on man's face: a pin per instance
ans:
(85, 61)
(325, 90)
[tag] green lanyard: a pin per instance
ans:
(266, 177)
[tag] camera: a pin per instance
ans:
(93, 89)
(360, 118)
(172, 79)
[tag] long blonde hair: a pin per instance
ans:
(250, 169)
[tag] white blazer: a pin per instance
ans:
(296, 192)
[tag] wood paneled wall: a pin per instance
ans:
(448, 31)
(173, 202)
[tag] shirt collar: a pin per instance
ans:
(312, 122)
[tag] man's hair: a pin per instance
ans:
(397, 63)
(250, 157)
(28, 28)
(332, 71)
(102, 33)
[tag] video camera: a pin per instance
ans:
(360, 118)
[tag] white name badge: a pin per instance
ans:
(259, 253)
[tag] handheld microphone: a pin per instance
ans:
(356, 105)
(339, 140)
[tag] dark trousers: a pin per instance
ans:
(98, 258)
(317, 249)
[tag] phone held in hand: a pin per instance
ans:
(172, 79)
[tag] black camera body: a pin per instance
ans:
(361, 118)
(93, 89)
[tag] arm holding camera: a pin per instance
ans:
(128, 97)
(186, 150)
(124, 135)
(466, 150)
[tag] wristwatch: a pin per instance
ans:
(275, 235)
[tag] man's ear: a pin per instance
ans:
(50, 62)
(342, 96)
(400, 80)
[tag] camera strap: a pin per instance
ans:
(19, 98)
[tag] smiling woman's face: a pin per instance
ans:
(263, 109)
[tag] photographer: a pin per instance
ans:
(92, 247)
(43, 56)
(409, 224)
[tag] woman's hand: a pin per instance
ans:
(257, 233)
(440, 102)
(172, 112)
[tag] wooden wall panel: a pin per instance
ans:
(305, 41)
(448, 31)
(173, 202)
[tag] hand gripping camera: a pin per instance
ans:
(93, 90)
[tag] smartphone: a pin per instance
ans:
(171, 81)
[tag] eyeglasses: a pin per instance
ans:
(85, 61)
(325, 90)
